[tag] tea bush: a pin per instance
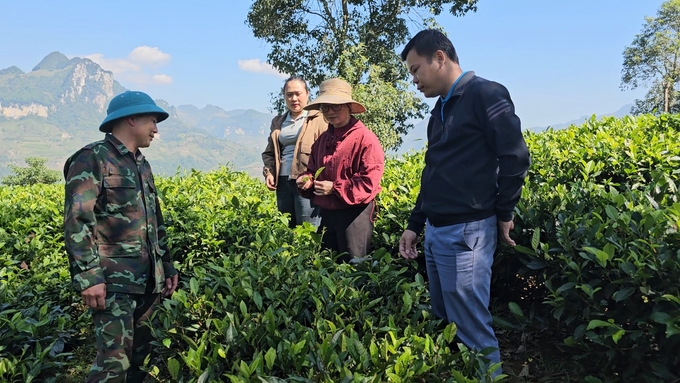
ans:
(598, 256)
(40, 317)
(599, 245)
(256, 300)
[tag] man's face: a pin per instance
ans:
(145, 129)
(425, 72)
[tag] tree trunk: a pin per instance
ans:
(666, 96)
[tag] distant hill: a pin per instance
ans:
(417, 137)
(56, 108)
(248, 127)
(621, 112)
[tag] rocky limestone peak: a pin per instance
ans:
(88, 82)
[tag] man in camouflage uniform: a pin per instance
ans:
(115, 238)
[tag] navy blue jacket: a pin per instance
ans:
(476, 161)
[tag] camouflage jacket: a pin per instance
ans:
(113, 226)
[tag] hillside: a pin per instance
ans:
(55, 109)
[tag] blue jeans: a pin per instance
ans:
(458, 260)
(288, 200)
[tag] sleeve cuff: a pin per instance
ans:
(169, 270)
(415, 227)
(504, 216)
(88, 278)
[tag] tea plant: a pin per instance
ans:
(597, 257)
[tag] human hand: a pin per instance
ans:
(303, 182)
(504, 231)
(170, 285)
(407, 244)
(95, 296)
(271, 185)
(323, 187)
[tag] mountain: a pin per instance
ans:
(11, 70)
(56, 108)
(417, 137)
(53, 61)
(621, 112)
(248, 127)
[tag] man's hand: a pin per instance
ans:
(95, 296)
(170, 285)
(323, 187)
(304, 182)
(407, 245)
(270, 182)
(504, 231)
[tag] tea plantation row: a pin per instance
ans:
(598, 258)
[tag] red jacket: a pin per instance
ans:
(353, 159)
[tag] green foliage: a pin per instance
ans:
(35, 173)
(256, 300)
(40, 316)
(400, 187)
(597, 259)
(598, 243)
(323, 38)
(654, 56)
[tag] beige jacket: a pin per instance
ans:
(311, 129)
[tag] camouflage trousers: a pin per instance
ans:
(123, 337)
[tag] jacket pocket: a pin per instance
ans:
(303, 156)
(305, 148)
(124, 263)
(121, 193)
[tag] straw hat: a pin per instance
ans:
(127, 104)
(335, 91)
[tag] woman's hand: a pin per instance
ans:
(270, 182)
(323, 187)
(303, 182)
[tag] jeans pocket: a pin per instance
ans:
(471, 234)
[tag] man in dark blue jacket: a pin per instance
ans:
(475, 166)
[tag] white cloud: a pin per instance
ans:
(114, 65)
(161, 79)
(139, 66)
(255, 65)
(149, 56)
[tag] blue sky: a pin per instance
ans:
(559, 59)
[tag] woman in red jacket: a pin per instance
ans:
(352, 162)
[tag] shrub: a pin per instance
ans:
(598, 243)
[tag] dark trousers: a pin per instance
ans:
(348, 230)
(288, 200)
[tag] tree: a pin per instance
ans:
(35, 173)
(355, 40)
(654, 58)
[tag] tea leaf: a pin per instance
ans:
(173, 367)
(623, 294)
(270, 358)
(515, 310)
(318, 172)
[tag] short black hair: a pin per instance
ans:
(294, 78)
(427, 42)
